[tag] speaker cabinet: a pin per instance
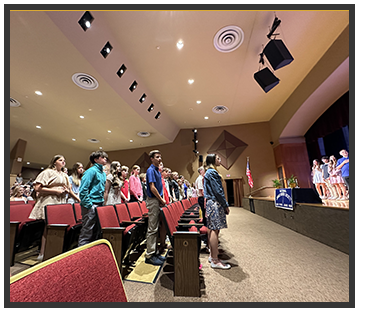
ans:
(266, 79)
(277, 54)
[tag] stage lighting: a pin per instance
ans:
(106, 50)
(143, 98)
(133, 86)
(86, 20)
(151, 108)
(158, 115)
(122, 70)
(274, 26)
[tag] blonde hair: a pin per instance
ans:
(116, 181)
(76, 179)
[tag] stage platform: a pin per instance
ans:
(326, 222)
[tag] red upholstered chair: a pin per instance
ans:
(17, 202)
(62, 230)
(143, 208)
(124, 212)
(123, 239)
(85, 274)
(25, 233)
(77, 211)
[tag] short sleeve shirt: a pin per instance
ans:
(154, 175)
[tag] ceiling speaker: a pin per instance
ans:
(266, 79)
(277, 54)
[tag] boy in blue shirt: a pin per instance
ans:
(92, 195)
(154, 202)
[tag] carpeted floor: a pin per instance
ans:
(270, 263)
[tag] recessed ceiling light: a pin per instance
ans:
(190, 81)
(100, 147)
(198, 101)
(82, 117)
(73, 139)
(106, 49)
(157, 47)
(150, 108)
(122, 70)
(42, 168)
(28, 163)
(86, 20)
(39, 127)
(206, 117)
(131, 140)
(180, 44)
(109, 131)
(38, 93)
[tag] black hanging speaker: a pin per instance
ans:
(266, 79)
(277, 54)
(201, 159)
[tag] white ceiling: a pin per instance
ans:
(47, 48)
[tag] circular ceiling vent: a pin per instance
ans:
(14, 102)
(143, 134)
(220, 109)
(93, 140)
(85, 81)
(228, 39)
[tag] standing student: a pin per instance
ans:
(154, 203)
(113, 185)
(175, 186)
(75, 179)
(52, 186)
(326, 178)
(344, 164)
(125, 193)
(142, 176)
(92, 190)
(135, 186)
(199, 182)
(318, 180)
(216, 208)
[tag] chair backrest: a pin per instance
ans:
(171, 227)
(77, 211)
(107, 216)
(20, 213)
(134, 210)
(17, 202)
(143, 207)
(186, 204)
(122, 212)
(60, 214)
(86, 274)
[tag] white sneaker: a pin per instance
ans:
(40, 257)
(220, 265)
(221, 260)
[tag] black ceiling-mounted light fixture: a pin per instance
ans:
(274, 26)
(158, 115)
(150, 108)
(86, 20)
(133, 86)
(143, 98)
(105, 51)
(195, 141)
(122, 70)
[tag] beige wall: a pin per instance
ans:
(179, 156)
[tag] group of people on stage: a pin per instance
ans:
(159, 186)
(332, 177)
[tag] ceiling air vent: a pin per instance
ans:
(220, 109)
(93, 140)
(228, 39)
(143, 134)
(85, 81)
(14, 102)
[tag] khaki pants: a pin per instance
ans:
(153, 206)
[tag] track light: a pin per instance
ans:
(196, 151)
(151, 108)
(195, 141)
(106, 50)
(158, 115)
(143, 98)
(133, 86)
(86, 20)
(122, 70)
(195, 131)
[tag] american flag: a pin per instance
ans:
(248, 174)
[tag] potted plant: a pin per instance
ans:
(276, 183)
(292, 181)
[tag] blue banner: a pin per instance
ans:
(284, 198)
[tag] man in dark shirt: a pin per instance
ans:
(154, 202)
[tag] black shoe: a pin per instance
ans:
(154, 260)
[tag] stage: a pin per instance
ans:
(326, 222)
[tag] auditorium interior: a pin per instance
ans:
(189, 82)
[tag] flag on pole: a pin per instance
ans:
(248, 174)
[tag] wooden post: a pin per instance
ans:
(186, 264)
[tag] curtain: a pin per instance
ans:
(238, 192)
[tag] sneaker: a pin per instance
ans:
(154, 260)
(40, 257)
(220, 265)
(221, 260)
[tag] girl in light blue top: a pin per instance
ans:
(75, 179)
